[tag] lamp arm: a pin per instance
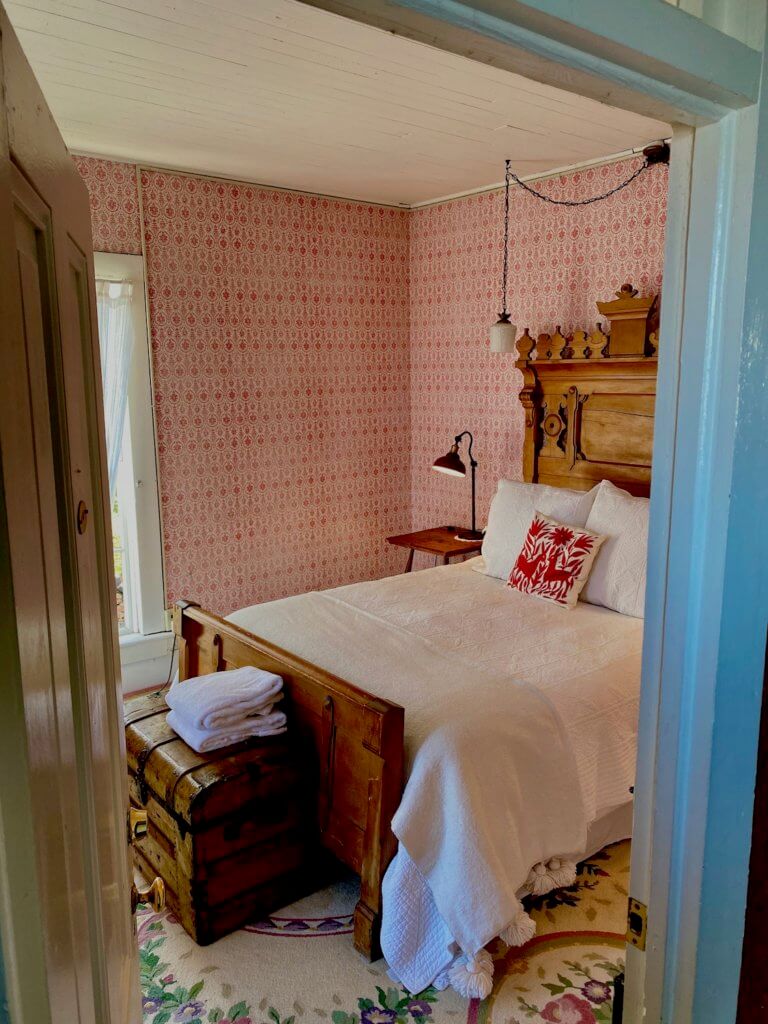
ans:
(457, 439)
(473, 467)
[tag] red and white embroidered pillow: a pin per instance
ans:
(555, 560)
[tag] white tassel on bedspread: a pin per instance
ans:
(472, 976)
(520, 929)
(543, 878)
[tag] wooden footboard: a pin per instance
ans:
(357, 739)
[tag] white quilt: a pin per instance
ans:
(520, 735)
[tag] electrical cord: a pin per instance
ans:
(169, 680)
(579, 202)
(656, 153)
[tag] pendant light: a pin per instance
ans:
(503, 331)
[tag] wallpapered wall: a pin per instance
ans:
(280, 356)
(114, 197)
(302, 346)
(561, 261)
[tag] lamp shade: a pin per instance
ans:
(450, 463)
(503, 335)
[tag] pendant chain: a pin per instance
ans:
(505, 274)
(575, 202)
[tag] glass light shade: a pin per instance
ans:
(450, 464)
(503, 336)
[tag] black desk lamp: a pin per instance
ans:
(452, 465)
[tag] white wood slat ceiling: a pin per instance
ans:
(276, 92)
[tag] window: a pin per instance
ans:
(131, 452)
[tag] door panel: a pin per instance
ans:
(44, 649)
(65, 892)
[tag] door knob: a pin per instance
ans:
(154, 895)
(137, 824)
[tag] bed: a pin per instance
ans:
(374, 670)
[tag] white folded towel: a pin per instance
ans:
(205, 740)
(225, 719)
(224, 699)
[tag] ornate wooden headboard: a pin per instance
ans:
(589, 399)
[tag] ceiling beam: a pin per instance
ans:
(647, 56)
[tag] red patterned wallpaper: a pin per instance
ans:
(302, 346)
(280, 340)
(561, 260)
(114, 204)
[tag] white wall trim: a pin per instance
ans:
(147, 661)
(135, 648)
(191, 172)
(555, 172)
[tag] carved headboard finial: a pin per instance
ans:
(629, 314)
(525, 345)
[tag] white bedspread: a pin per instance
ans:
(520, 734)
(490, 795)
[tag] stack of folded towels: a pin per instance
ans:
(222, 708)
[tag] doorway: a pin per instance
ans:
(695, 635)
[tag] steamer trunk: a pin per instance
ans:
(231, 833)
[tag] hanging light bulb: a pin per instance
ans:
(503, 331)
(503, 334)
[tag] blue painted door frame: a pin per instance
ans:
(741, 654)
(697, 444)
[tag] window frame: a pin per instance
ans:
(147, 573)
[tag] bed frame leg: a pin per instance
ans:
(379, 847)
(367, 931)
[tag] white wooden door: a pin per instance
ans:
(67, 934)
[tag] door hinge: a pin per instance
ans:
(168, 615)
(637, 923)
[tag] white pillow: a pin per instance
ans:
(511, 513)
(617, 579)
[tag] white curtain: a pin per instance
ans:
(113, 306)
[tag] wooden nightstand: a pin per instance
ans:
(439, 541)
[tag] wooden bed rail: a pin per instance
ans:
(357, 739)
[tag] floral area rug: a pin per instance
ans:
(299, 966)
